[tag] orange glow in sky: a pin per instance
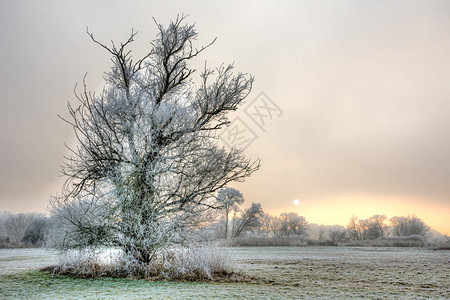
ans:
(339, 210)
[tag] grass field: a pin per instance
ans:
(273, 273)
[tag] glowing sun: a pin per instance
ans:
(296, 202)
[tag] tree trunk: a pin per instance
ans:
(226, 225)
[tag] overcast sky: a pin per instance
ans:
(363, 86)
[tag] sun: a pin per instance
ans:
(296, 202)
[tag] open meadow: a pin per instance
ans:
(271, 272)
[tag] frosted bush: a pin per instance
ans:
(195, 263)
(176, 263)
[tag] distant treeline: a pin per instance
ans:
(250, 227)
(255, 223)
(293, 229)
(23, 230)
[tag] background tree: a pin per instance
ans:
(266, 224)
(375, 226)
(147, 161)
(249, 220)
(229, 199)
(271, 225)
(355, 232)
(15, 226)
(406, 226)
(367, 229)
(292, 223)
(316, 231)
(337, 234)
(35, 232)
(3, 234)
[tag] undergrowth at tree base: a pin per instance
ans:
(177, 264)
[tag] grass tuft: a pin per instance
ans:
(180, 263)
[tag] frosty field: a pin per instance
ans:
(274, 272)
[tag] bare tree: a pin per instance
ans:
(275, 226)
(376, 226)
(147, 162)
(15, 226)
(337, 233)
(367, 229)
(406, 226)
(229, 199)
(292, 223)
(355, 232)
(266, 222)
(34, 234)
(322, 233)
(249, 220)
(315, 231)
(270, 225)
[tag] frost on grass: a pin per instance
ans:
(272, 273)
(175, 263)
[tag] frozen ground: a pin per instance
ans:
(13, 261)
(281, 273)
(352, 272)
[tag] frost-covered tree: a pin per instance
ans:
(406, 226)
(147, 163)
(16, 225)
(315, 231)
(229, 199)
(250, 219)
(267, 224)
(354, 228)
(337, 233)
(35, 232)
(292, 223)
(367, 229)
(376, 226)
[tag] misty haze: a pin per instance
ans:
(252, 149)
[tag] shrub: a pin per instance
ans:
(177, 263)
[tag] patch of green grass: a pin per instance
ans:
(41, 285)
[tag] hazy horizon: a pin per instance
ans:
(362, 86)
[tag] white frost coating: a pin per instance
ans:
(147, 162)
(190, 262)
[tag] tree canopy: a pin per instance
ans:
(147, 160)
